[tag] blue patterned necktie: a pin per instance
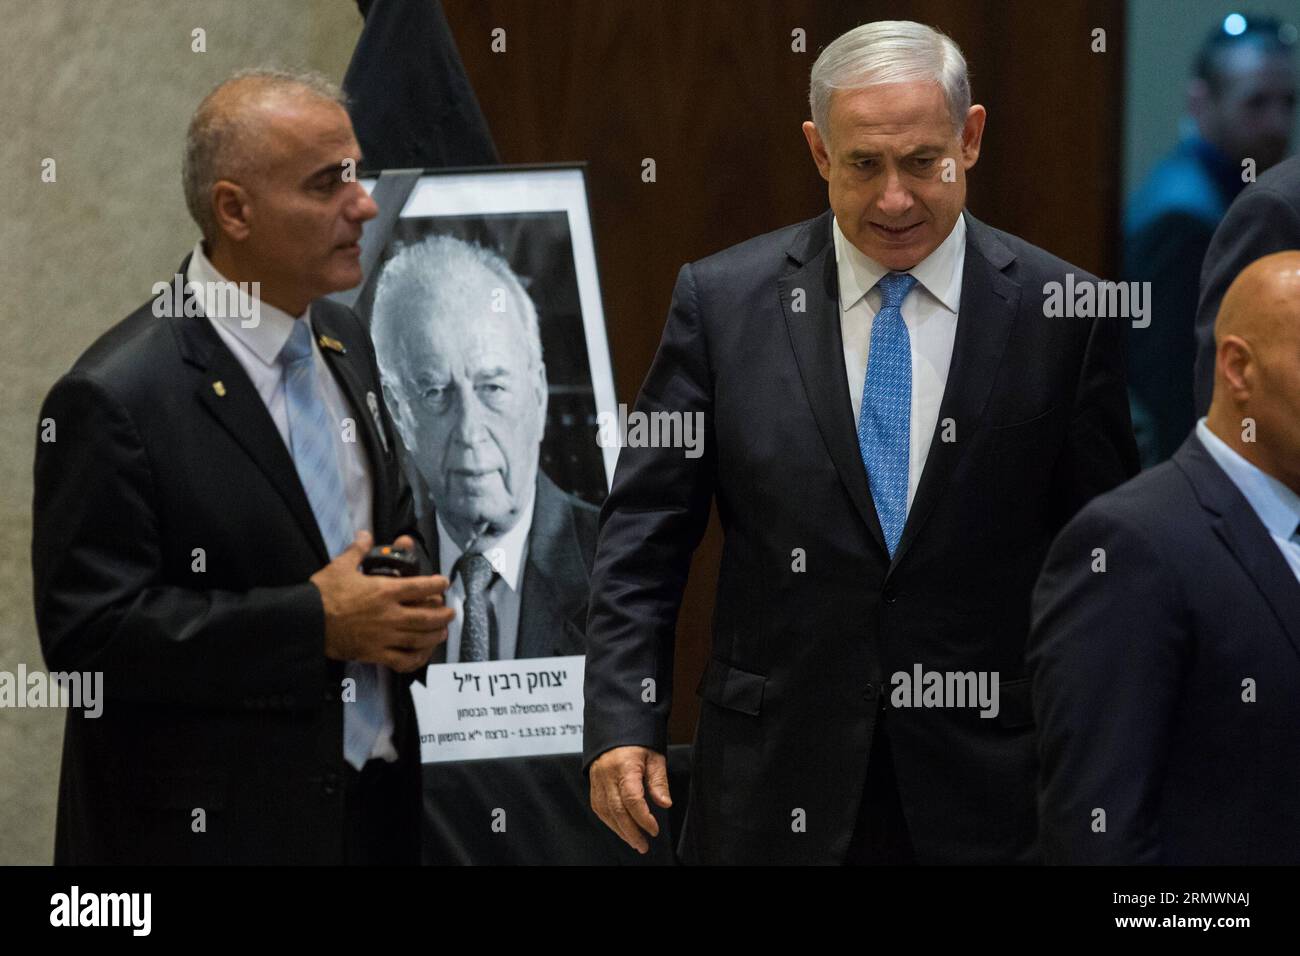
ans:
(884, 423)
(311, 443)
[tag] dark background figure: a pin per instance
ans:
(1264, 219)
(1241, 101)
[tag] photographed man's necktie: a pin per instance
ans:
(475, 571)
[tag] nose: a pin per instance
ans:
(468, 429)
(362, 207)
(895, 199)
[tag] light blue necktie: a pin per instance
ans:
(311, 443)
(884, 422)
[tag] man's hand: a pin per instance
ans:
(619, 781)
(396, 622)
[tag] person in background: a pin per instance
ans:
(1241, 101)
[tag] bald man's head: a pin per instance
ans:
(229, 135)
(270, 177)
(1256, 404)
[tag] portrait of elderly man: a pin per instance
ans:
(460, 357)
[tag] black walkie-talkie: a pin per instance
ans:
(391, 562)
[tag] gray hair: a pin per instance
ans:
(889, 51)
(440, 274)
(217, 144)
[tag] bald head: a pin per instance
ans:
(1256, 404)
(232, 132)
(1262, 305)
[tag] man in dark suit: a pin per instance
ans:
(982, 425)
(461, 359)
(201, 509)
(1265, 218)
(1165, 650)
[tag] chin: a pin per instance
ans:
(343, 277)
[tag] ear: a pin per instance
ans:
(1235, 362)
(232, 208)
(972, 134)
(820, 154)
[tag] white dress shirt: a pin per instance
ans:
(1277, 505)
(257, 350)
(930, 314)
(507, 556)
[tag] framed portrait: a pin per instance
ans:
(484, 305)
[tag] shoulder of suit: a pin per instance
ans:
(132, 356)
(1156, 504)
(756, 252)
(1031, 261)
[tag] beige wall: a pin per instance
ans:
(105, 89)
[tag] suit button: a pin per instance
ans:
(331, 783)
(890, 596)
(870, 691)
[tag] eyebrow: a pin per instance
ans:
(873, 154)
(332, 167)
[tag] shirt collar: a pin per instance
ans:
(267, 337)
(507, 554)
(937, 272)
(1277, 505)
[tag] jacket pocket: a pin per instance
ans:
(728, 686)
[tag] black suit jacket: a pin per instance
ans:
(800, 659)
(1138, 677)
(557, 573)
(218, 692)
(1264, 219)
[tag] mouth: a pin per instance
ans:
(352, 248)
(896, 233)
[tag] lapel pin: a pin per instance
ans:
(220, 388)
(334, 345)
(373, 403)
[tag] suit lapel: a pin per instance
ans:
(985, 316)
(555, 582)
(226, 391)
(819, 353)
(1237, 525)
(342, 361)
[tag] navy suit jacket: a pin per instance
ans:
(1141, 675)
(801, 659)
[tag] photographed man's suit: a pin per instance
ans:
(218, 694)
(1140, 677)
(1265, 218)
(556, 576)
(801, 660)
